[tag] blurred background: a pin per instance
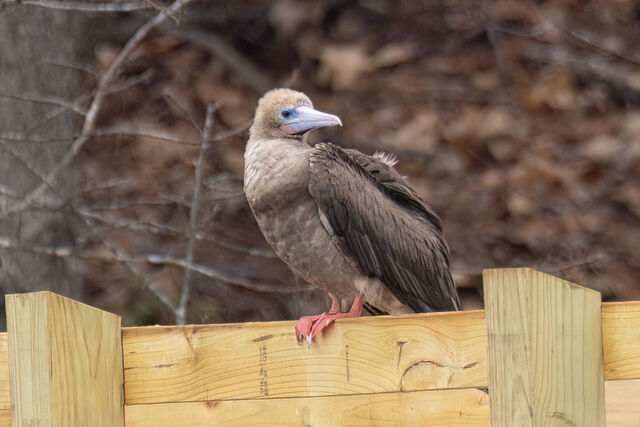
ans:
(519, 122)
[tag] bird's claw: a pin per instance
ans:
(303, 328)
(309, 327)
(306, 328)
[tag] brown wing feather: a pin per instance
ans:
(392, 234)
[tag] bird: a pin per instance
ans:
(345, 222)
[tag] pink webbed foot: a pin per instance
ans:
(305, 325)
(310, 326)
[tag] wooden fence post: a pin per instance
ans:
(65, 362)
(545, 350)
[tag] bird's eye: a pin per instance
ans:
(286, 113)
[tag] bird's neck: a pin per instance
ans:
(281, 160)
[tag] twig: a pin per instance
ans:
(74, 67)
(495, 39)
(129, 132)
(193, 213)
(92, 113)
(126, 204)
(120, 256)
(229, 56)
(616, 75)
(81, 99)
(113, 183)
(232, 132)
(160, 229)
(271, 288)
(7, 192)
(587, 41)
(133, 268)
(579, 263)
(79, 6)
(29, 167)
(73, 105)
(184, 111)
(151, 134)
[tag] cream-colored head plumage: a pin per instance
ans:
(267, 120)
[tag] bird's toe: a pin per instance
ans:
(303, 328)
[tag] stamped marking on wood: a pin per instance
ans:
(346, 361)
(264, 383)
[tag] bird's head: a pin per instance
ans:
(285, 113)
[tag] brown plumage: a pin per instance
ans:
(342, 220)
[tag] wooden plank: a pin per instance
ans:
(456, 407)
(623, 403)
(208, 362)
(5, 417)
(65, 362)
(621, 340)
(253, 360)
(5, 402)
(447, 407)
(544, 350)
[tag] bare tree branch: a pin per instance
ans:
(83, 98)
(123, 131)
(80, 68)
(133, 268)
(181, 315)
(223, 277)
(92, 113)
(184, 111)
(160, 229)
(47, 100)
(120, 256)
(80, 6)
(240, 65)
(28, 166)
(232, 132)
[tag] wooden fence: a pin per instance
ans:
(547, 352)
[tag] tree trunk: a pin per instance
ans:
(37, 48)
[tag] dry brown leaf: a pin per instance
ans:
(342, 65)
(486, 81)
(474, 126)
(392, 54)
(288, 16)
(419, 134)
(520, 204)
(554, 89)
(601, 148)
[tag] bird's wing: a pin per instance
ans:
(392, 234)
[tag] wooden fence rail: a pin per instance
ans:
(546, 352)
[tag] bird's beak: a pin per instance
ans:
(307, 118)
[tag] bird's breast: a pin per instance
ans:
(276, 186)
(276, 175)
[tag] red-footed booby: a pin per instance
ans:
(343, 221)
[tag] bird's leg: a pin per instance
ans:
(316, 324)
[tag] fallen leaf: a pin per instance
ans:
(342, 65)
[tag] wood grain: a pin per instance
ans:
(544, 350)
(621, 340)
(209, 362)
(5, 402)
(253, 360)
(623, 403)
(460, 407)
(5, 417)
(65, 362)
